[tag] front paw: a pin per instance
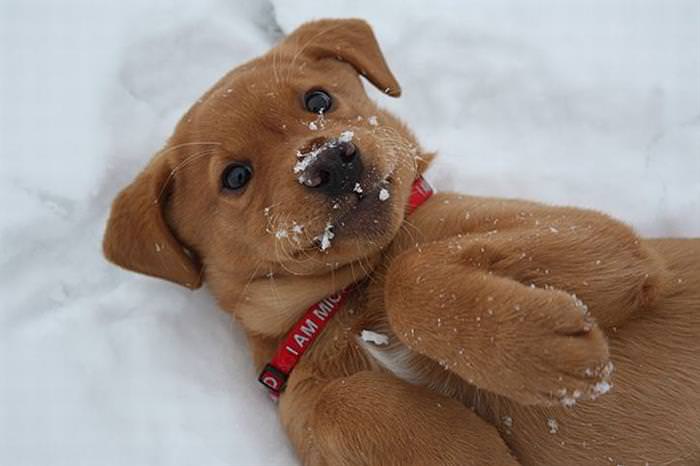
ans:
(552, 351)
(533, 345)
(599, 259)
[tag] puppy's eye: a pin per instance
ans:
(236, 176)
(317, 101)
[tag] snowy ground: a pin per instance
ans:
(593, 103)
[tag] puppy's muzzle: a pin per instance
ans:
(336, 170)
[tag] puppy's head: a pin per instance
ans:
(285, 166)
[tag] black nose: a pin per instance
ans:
(336, 169)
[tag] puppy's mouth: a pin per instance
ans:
(363, 215)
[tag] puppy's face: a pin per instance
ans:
(285, 166)
(306, 170)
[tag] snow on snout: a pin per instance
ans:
(346, 136)
(305, 159)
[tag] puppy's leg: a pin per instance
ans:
(530, 344)
(373, 418)
(601, 261)
(583, 252)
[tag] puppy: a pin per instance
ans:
(494, 330)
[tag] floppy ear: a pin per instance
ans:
(137, 236)
(350, 40)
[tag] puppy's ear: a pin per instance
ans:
(137, 236)
(350, 40)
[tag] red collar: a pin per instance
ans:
(275, 374)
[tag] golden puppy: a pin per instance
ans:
(493, 329)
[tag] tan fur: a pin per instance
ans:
(498, 311)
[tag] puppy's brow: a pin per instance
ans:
(276, 126)
(300, 50)
(184, 163)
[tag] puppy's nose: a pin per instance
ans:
(336, 170)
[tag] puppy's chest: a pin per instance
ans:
(338, 351)
(360, 338)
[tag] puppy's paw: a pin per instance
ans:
(558, 355)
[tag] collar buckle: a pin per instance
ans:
(273, 378)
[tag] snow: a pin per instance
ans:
(589, 103)
(383, 194)
(374, 337)
(326, 237)
(507, 421)
(303, 162)
(570, 400)
(293, 232)
(580, 305)
(601, 388)
(346, 136)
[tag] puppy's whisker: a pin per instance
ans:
(352, 271)
(275, 66)
(280, 241)
(280, 253)
(241, 296)
(274, 225)
(410, 229)
(189, 160)
(269, 217)
(395, 148)
(365, 272)
(186, 144)
(273, 287)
